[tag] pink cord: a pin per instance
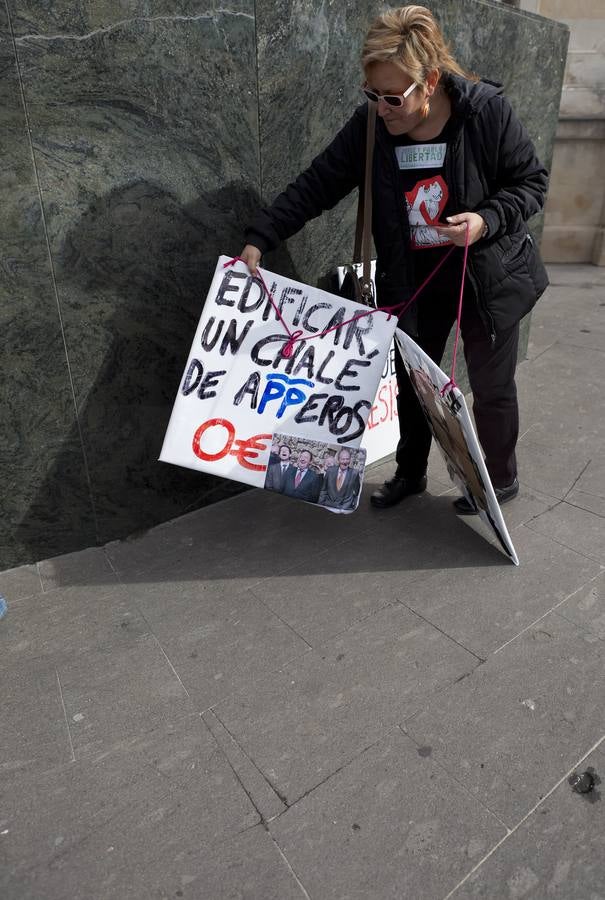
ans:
(288, 348)
(400, 308)
(452, 382)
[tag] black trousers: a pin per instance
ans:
(491, 371)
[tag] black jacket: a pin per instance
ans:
(491, 168)
(308, 489)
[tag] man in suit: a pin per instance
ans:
(301, 482)
(276, 472)
(341, 484)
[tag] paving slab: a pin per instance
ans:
(579, 529)
(203, 535)
(486, 607)
(139, 821)
(24, 581)
(585, 500)
(586, 328)
(560, 398)
(200, 538)
(264, 798)
(589, 490)
(510, 730)
(88, 566)
(570, 433)
(68, 622)
(423, 533)
(252, 546)
(576, 275)
(34, 733)
(219, 639)
(586, 607)
(557, 852)
(248, 866)
(420, 535)
(301, 724)
(552, 470)
(528, 504)
(541, 338)
(389, 825)
(115, 692)
(281, 511)
(273, 544)
(319, 606)
(592, 479)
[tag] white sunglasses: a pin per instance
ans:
(390, 99)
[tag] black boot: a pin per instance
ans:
(503, 495)
(396, 489)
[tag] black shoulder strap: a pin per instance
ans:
(363, 228)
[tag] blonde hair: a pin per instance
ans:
(410, 38)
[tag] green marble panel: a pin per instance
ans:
(309, 85)
(41, 515)
(145, 134)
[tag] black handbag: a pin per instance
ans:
(351, 284)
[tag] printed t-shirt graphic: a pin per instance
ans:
(426, 192)
(425, 204)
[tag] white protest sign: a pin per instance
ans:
(382, 432)
(240, 397)
(452, 428)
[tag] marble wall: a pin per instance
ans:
(130, 157)
(135, 138)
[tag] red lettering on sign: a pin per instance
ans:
(244, 450)
(212, 423)
(385, 408)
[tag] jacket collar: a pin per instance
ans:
(467, 98)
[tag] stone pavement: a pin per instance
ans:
(261, 700)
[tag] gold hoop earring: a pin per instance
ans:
(425, 110)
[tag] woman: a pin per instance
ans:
(450, 155)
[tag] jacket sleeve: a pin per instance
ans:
(323, 493)
(354, 491)
(330, 177)
(520, 180)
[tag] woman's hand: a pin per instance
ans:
(456, 231)
(251, 256)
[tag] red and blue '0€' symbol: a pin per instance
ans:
(280, 387)
(244, 450)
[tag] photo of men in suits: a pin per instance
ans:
(276, 472)
(301, 481)
(341, 484)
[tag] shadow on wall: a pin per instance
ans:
(132, 277)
